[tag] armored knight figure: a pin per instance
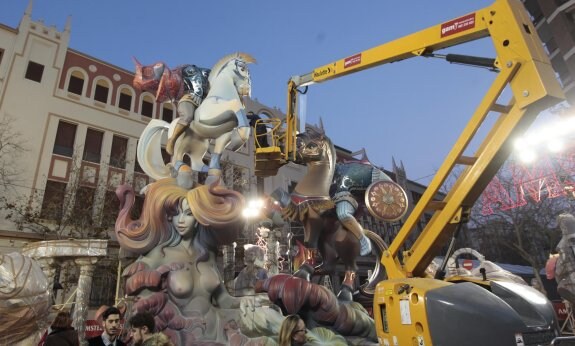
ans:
(196, 88)
(350, 181)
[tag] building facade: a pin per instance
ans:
(555, 24)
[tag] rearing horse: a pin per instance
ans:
(221, 117)
(311, 204)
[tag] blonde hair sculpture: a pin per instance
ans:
(216, 208)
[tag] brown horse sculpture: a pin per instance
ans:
(310, 203)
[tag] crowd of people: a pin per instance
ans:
(142, 331)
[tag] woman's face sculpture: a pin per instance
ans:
(184, 221)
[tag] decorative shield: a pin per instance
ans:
(386, 200)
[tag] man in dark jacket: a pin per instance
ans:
(111, 324)
(142, 326)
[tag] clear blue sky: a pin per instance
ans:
(412, 110)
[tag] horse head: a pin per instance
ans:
(234, 66)
(312, 146)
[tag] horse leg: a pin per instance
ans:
(241, 133)
(192, 145)
(215, 169)
(195, 148)
(348, 248)
(346, 292)
(328, 253)
(313, 225)
(329, 260)
(234, 123)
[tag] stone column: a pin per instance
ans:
(83, 293)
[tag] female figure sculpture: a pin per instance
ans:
(176, 277)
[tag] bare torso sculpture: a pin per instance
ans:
(176, 277)
(177, 280)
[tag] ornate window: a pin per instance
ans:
(168, 113)
(76, 83)
(93, 146)
(147, 106)
(118, 153)
(101, 91)
(53, 201)
(125, 100)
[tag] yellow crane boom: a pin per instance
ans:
(523, 66)
(408, 307)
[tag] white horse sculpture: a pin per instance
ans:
(221, 117)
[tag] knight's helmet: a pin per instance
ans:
(196, 79)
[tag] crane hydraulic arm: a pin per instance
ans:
(506, 22)
(410, 308)
(523, 66)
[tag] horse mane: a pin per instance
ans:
(331, 154)
(223, 61)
